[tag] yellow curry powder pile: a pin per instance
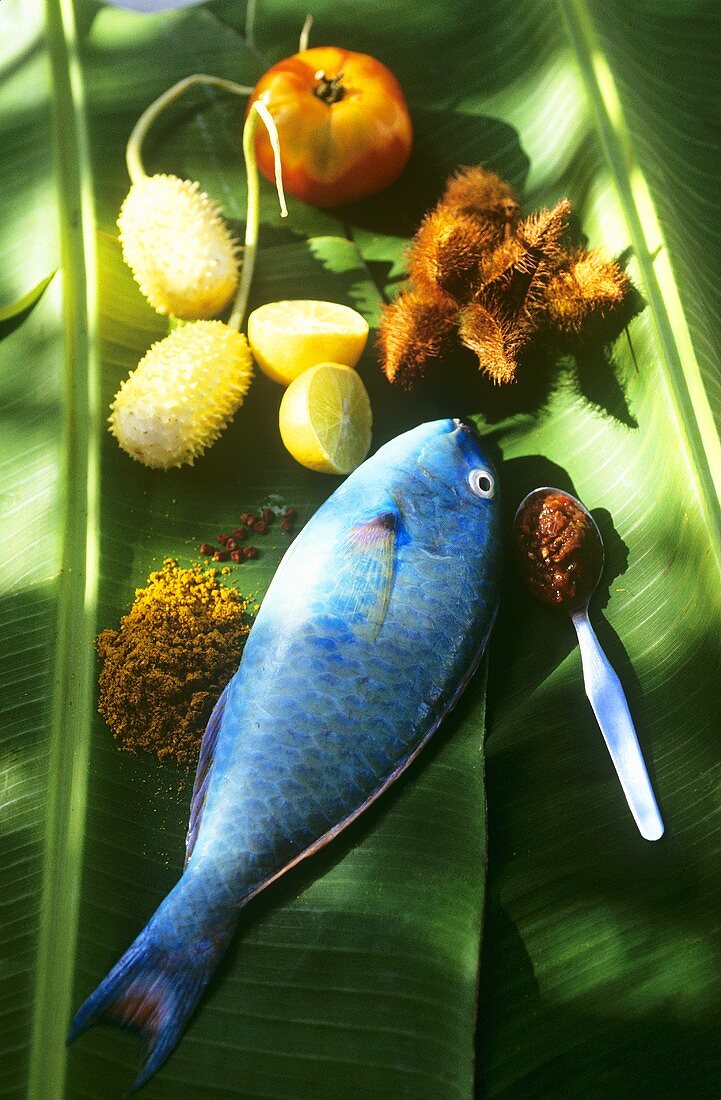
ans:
(174, 653)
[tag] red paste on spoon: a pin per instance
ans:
(557, 549)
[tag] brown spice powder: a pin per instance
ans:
(175, 651)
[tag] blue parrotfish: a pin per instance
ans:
(371, 628)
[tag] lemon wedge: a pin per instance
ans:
(286, 338)
(325, 419)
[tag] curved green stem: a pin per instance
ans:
(305, 33)
(250, 24)
(258, 111)
(133, 159)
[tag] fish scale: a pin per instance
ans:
(370, 629)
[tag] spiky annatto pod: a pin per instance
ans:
(178, 247)
(535, 242)
(591, 284)
(447, 252)
(477, 190)
(519, 268)
(484, 332)
(499, 263)
(413, 330)
(182, 394)
(542, 230)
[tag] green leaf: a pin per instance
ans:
(357, 974)
(25, 301)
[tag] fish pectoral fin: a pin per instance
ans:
(202, 774)
(365, 573)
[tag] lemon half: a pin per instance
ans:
(325, 419)
(286, 338)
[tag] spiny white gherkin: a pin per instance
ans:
(182, 394)
(178, 247)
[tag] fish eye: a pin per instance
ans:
(482, 484)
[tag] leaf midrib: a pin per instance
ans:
(72, 690)
(679, 365)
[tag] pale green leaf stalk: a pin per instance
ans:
(72, 687)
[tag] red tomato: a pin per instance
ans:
(343, 123)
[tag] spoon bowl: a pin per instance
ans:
(545, 490)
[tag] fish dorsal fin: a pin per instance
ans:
(202, 775)
(365, 572)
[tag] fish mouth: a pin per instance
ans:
(463, 426)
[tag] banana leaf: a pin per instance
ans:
(359, 973)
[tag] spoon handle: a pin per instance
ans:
(606, 696)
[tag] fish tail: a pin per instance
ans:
(154, 988)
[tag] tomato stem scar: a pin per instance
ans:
(330, 88)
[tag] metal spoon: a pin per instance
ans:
(607, 698)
